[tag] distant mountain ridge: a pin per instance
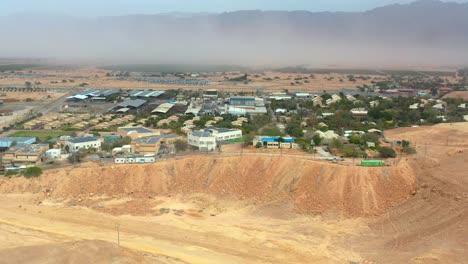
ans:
(423, 32)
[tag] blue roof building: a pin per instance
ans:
(6, 142)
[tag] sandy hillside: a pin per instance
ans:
(311, 187)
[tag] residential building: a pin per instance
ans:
(26, 154)
(75, 144)
(203, 140)
(151, 145)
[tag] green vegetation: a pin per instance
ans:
(156, 68)
(386, 152)
(181, 145)
(41, 135)
(32, 172)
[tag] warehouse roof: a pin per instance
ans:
(146, 93)
(154, 139)
(132, 103)
(27, 148)
(82, 139)
(163, 108)
(6, 142)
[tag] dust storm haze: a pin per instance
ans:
(422, 33)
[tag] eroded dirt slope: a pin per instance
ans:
(312, 187)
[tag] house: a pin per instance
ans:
(151, 144)
(203, 140)
(327, 137)
(438, 107)
(374, 103)
(370, 144)
(281, 111)
(26, 154)
(414, 106)
(6, 142)
(75, 144)
(359, 112)
(275, 142)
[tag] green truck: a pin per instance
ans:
(372, 163)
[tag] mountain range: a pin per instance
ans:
(425, 32)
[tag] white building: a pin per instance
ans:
(53, 153)
(204, 141)
(223, 134)
(75, 144)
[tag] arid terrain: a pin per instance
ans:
(267, 82)
(204, 209)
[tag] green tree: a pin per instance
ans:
(32, 172)
(317, 139)
(386, 152)
(180, 145)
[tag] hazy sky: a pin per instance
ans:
(124, 7)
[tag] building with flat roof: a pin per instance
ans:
(26, 154)
(151, 145)
(202, 140)
(75, 144)
(275, 142)
(223, 134)
(6, 142)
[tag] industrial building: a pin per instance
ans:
(136, 103)
(163, 108)
(145, 93)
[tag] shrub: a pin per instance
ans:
(180, 145)
(10, 173)
(32, 172)
(386, 152)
